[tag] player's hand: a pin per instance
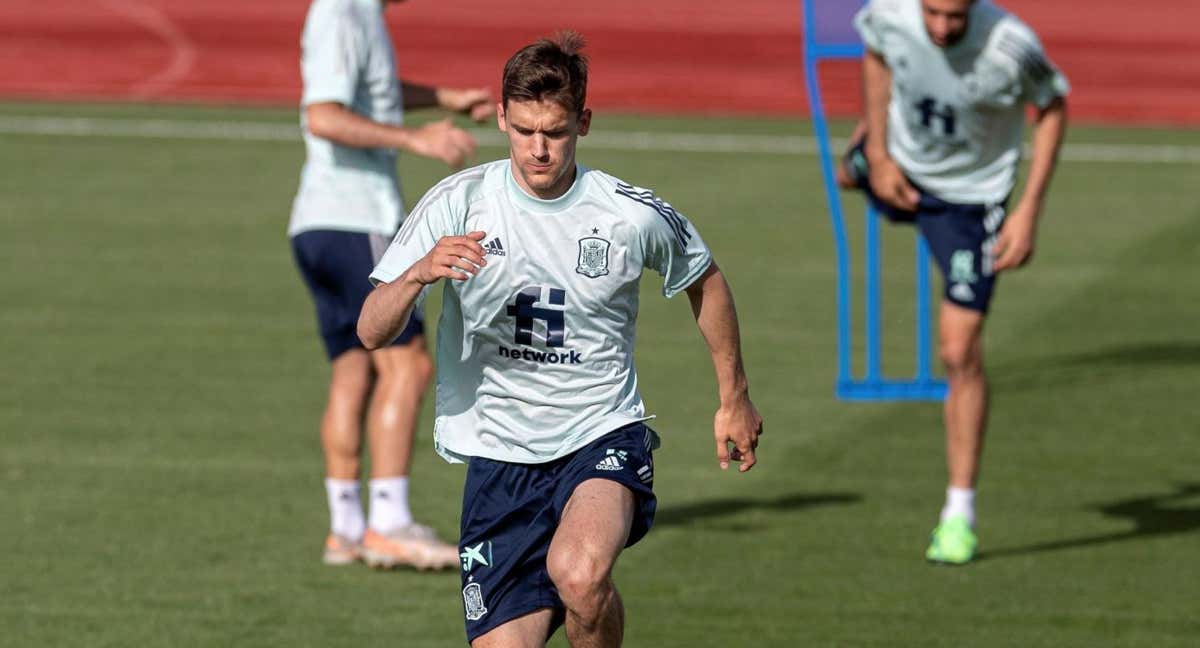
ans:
(454, 257)
(889, 185)
(474, 102)
(1014, 243)
(444, 141)
(737, 427)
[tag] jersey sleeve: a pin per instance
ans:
(432, 219)
(1041, 82)
(333, 58)
(670, 244)
(872, 21)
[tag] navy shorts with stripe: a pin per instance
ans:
(510, 514)
(336, 266)
(960, 236)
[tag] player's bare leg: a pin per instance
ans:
(402, 377)
(341, 440)
(591, 534)
(529, 631)
(341, 425)
(393, 538)
(960, 347)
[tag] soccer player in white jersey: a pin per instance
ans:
(536, 390)
(946, 85)
(347, 207)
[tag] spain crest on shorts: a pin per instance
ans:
(593, 257)
(473, 602)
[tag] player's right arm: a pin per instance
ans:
(439, 140)
(887, 180)
(671, 246)
(737, 423)
(388, 307)
(335, 53)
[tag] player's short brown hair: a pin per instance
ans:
(552, 69)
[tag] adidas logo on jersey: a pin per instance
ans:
(609, 463)
(493, 248)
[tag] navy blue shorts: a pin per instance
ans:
(510, 514)
(336, 266)
(960, 236)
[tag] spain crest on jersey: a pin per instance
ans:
(593, 257)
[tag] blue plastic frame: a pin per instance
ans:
(873, 386)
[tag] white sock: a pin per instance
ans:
(959, 501)
(345, 508)
(389, 504)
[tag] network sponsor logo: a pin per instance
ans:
(541, 357)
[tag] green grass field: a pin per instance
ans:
(161, 474)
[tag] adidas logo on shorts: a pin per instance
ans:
(493, 248)
(609, 463)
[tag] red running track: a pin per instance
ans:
(1128, 62)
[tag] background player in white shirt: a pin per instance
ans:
(348, 205)
(536, 385)
(946, 85)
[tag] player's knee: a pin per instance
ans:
(350, 373)
(423, 368)
(582, 581)
(410, 365)
(960, 357)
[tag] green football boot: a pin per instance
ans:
(952, 542)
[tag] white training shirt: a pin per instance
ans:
(347, 58)
(535, 352)
(956, 115)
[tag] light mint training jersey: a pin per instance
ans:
(535, 352)
(347, 58)
(956, 115)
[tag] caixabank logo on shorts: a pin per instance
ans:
(477, 555)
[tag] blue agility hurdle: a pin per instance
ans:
(830, 35)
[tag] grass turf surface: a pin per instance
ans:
(162, 476)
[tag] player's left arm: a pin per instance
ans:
(1014, 244)
(475, 103)
(737, 422)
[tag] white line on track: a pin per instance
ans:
(611, 140)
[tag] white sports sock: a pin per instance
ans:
(389, 504)
(959, 501)
(345, 508)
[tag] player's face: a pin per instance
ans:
(541, 143)
(945, 20)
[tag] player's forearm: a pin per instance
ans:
(712, 305)
(1047, 141)
(338, 124)
(877, 92)
(417, 95)
(386, 311)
